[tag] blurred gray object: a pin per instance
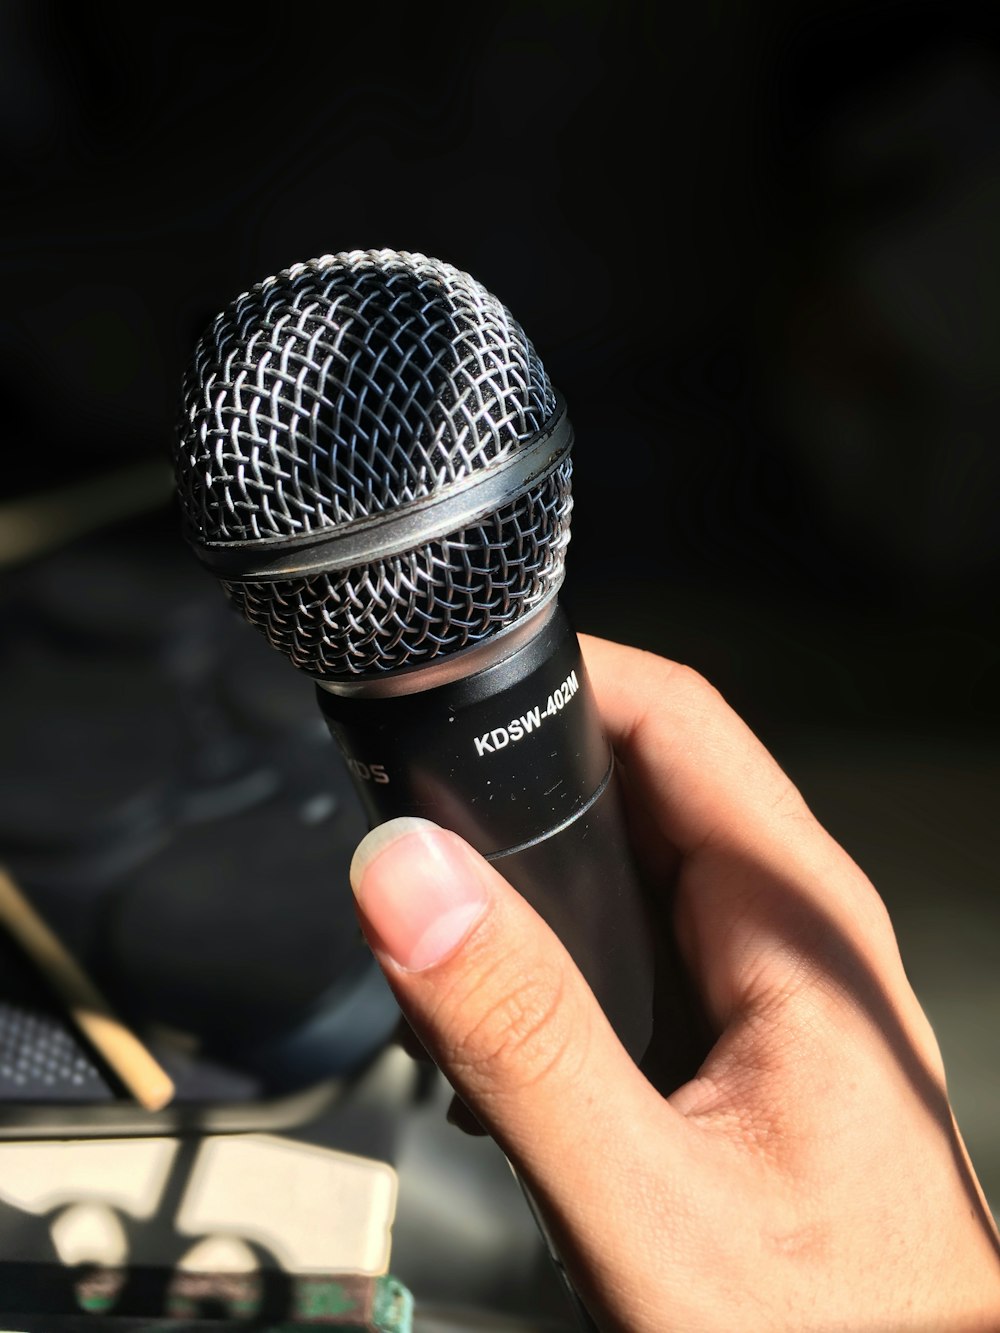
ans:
(188, 838)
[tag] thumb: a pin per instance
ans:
(500, 1005)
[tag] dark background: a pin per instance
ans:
(756, 247)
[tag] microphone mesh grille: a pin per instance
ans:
(403, 611)
(352, 385)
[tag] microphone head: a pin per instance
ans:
(373, 461)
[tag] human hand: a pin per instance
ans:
(811, 1176)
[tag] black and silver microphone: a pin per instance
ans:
(374, 463)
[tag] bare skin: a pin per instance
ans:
(811, 1176)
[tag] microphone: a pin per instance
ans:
(373, 461)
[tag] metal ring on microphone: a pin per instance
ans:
(393, 531)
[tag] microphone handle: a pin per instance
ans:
(513, 757)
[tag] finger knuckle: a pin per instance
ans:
(521, 1033)
(688, 681)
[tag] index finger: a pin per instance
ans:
(766, 898)
(691, 754)
(711, 786)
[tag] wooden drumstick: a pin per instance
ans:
(119, 1047)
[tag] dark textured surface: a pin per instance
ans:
(42, 1057)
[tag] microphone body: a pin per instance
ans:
(373, 461)
(512, 756)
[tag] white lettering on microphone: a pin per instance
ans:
(519, 727)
